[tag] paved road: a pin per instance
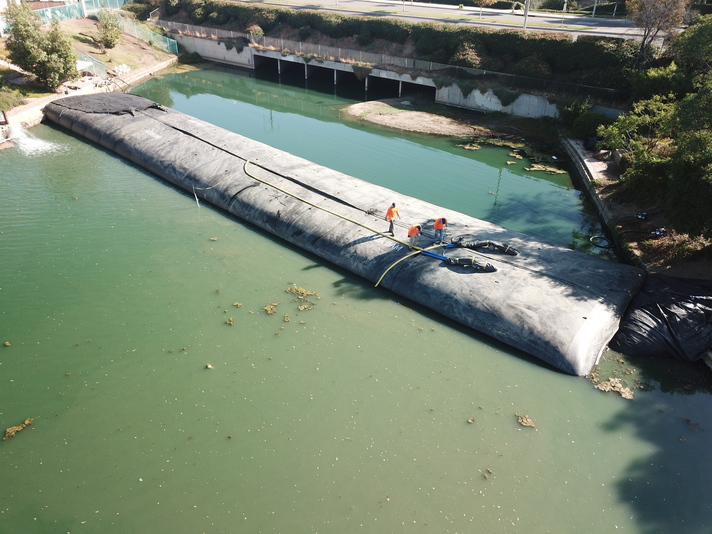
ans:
(422, 12)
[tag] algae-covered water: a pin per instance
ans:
(153, 412)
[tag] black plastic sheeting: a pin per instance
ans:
(119, 103)
(670, 317)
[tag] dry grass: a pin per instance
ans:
(130, 51)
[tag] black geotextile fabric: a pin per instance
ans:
(670, 317)
(116, 103)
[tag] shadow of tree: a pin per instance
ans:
(669, 489)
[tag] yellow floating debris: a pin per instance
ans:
(7, 343)
(300, 292)
(237, 304)
(10, 432)
(471, 146)
(271, 309)
(230, 321)
(615, 384)
(208, 366)
(286, 318)
(546, 168)
(213, 239)
(524, 420)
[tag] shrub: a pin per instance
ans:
(466, 56)
(10, 98)
(532, 66)
(569, 112)
(586, 124)
(255, 31)
(171, 7)
(190, 59)
(304, 32)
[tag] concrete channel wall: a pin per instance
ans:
(222, 51)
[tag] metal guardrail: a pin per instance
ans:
(426, 68)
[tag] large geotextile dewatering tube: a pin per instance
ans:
(556, 304)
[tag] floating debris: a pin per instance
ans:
(515, 155)
(548, 169)
(218, 291)
(10, 432)
(693, 426)
(286, 318)
(471, 146)
(208, 366)
(7, 343)
(301, 293)
(511, 162)
(524, 420)
(615, 384)
(471, 420)
(213, 239)
(271, 309)
(237, 304)
(230, 321)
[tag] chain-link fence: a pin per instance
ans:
(75, 11)
(97, 68)
(152, 38)
(68, 11)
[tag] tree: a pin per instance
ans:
(692, 50)
(47, 55)
(110, 28)
(483, 3)
(655, 17)
(690, 191)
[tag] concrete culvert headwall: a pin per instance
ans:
(556, 304)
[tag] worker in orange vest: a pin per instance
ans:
(391, 215)
(413, 234)
(439, 226)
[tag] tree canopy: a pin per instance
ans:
(46, 54)
(110, 28)
(669, 138)
(655, 17)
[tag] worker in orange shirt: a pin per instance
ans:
(439, 226)
(413, 235)
(391, 215)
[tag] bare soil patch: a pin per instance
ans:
(130, 51)
(395, 114)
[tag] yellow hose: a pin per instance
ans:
(417, 251)
(244, 168)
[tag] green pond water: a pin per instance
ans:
(116, 293)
